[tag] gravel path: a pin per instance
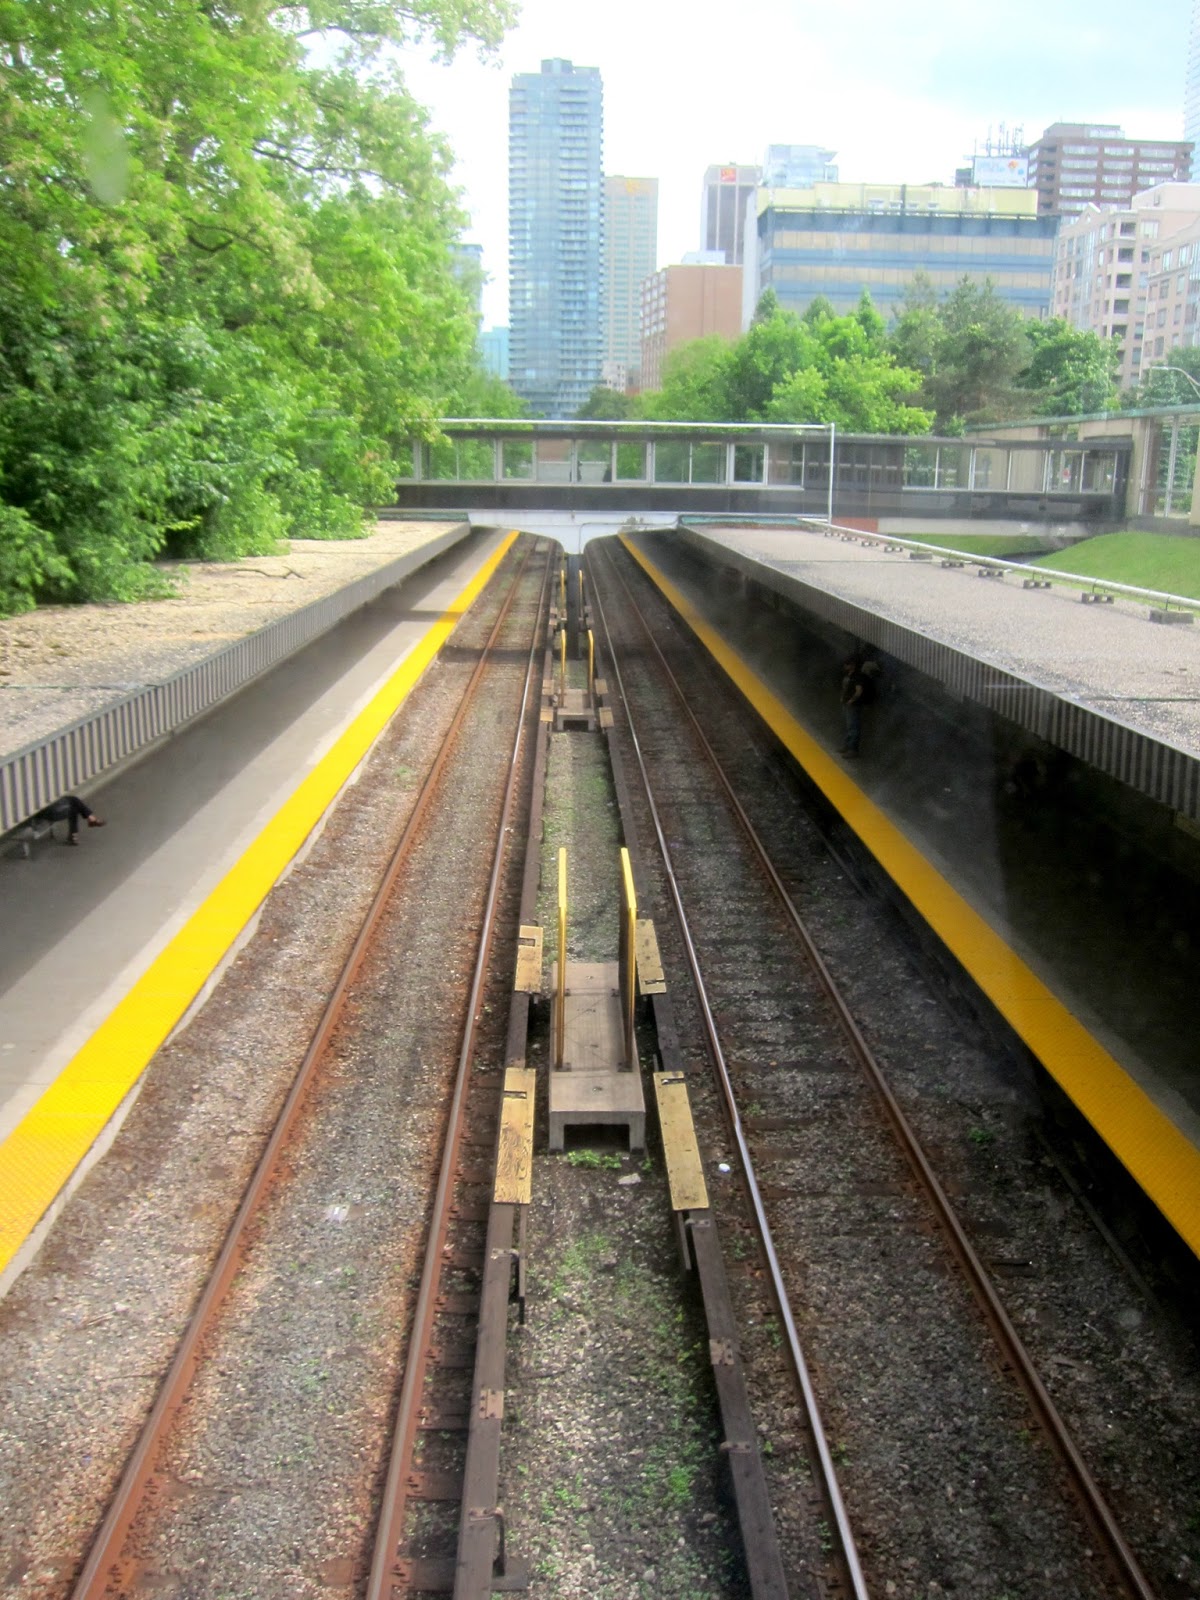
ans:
(89, 1327)
(1109, 657)
(62, 662)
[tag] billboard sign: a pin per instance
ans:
(1001, 172)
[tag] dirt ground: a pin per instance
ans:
(63, 662)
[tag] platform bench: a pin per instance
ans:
(24, 837)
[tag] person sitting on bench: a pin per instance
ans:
(69, 809)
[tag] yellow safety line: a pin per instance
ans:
(44, 1149)
(1162, 1160)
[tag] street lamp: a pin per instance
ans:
(1179, 370)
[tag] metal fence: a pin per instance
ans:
(64, 761)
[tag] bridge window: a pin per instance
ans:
(708, 463)
(518, 459)
(671, 461)
(631, 462)
(920, 466)
(476, 460)
(748, 463)
(594, 458)
(554, 460)
(443, 459)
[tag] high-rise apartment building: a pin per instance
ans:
(1191, 87)
(837, 239)
(555, 236)
(1074, 163)
(468, 267)
(493, 352)
(683, 303)
(1109, 277)
(630, 255)
(727, 192)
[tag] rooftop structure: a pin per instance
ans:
(837, 239)
(1077, 163)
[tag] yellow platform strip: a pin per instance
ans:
(650, 975)
(514, 1156)
(528, 978)
(41, 1153)
(1158, 1155)
(685, 1171)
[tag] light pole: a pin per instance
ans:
(1182, 373)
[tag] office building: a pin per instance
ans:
(630, 255)
(555, 236)
(837, 239)
(1105, 280)
(683, 303)
(1074, 164)
(727, 192)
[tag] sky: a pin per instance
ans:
(902, 92)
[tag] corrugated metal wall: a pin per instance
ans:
(1160, 771)
(31, 778)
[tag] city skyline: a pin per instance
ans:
(916, 100)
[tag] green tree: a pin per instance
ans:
(607, 405)
(226, 285)
(979, 350)
(817, 368)
(1071, 371)
(1164, 380)
(695, 384)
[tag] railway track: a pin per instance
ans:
(863, 1391)
(233, 1421)
(828, 1158)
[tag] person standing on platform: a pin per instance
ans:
(854, 692)
(71, 810)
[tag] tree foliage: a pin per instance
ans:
(816, 368)
(1070, 370)
(1171, 380)
(226, 286)
(607, 405)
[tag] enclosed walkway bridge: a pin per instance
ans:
(657, 472)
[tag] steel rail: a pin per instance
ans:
(390, 1528)
(829, 1483)
(102, 1567)
(1100, 1517)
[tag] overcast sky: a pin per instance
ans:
(901, 91)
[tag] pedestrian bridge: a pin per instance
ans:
(659, 471)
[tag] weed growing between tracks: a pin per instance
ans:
(611, 1464)
(612, 1453)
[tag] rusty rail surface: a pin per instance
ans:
(108, 1568)
(1013, 1354)
(827, 1477)
(390, 1571)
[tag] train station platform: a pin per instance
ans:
(1071, 902)
(104, 948)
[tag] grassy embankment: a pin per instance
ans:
(1162, 561)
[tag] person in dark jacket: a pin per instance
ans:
(854, 693)
(71, 810)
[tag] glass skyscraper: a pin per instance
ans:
(555, 236)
